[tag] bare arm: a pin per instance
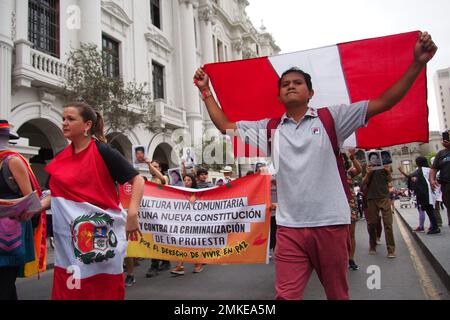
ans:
(155, 172)
(368, 175)
(133, 229)
(356, 166)
(424, 50)
(20, 173)
(183, 169)
(433, 181)
(216, 114)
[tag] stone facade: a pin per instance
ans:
(442, 86)
(185, 34)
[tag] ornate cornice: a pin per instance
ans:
(158, 40)
(116, 11)
(206, 14)
(194, 3)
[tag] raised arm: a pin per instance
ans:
(218, 117)
(424, 50)
(356, 165)
(156, 172)
(369, 173)
(183, 168)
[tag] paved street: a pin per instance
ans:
(400, 278)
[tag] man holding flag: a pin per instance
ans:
(312, 233)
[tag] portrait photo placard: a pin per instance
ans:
(175, 177)
(189, 157)
(138, 155)
(373, 159)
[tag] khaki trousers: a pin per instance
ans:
(374, 207)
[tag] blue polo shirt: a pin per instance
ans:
(310, 191)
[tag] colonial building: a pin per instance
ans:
(153, 41)
(442, 86)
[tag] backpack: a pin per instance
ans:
(7, 175)
(328, 122)
(10, 230)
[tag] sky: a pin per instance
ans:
(306, 24)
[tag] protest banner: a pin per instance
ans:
(226, 224)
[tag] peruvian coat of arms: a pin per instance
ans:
(93, 237)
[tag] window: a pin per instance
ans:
(406, 166)
(158, 80)
(155, 13)
(405, 150)
(111, 54)
(220, 51)
(43, 25)
(214, 45)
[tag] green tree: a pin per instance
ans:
(429, 156)
(123, 105)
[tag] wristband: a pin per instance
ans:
(206, 93)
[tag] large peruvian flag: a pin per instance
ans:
(89, 228)
(341, 74)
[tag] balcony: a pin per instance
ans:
(34, 68)
(169, 116)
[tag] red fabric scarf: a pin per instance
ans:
(83, 177)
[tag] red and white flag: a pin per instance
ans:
(89, 228)
(341, 74)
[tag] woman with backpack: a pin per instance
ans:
(17, 244)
